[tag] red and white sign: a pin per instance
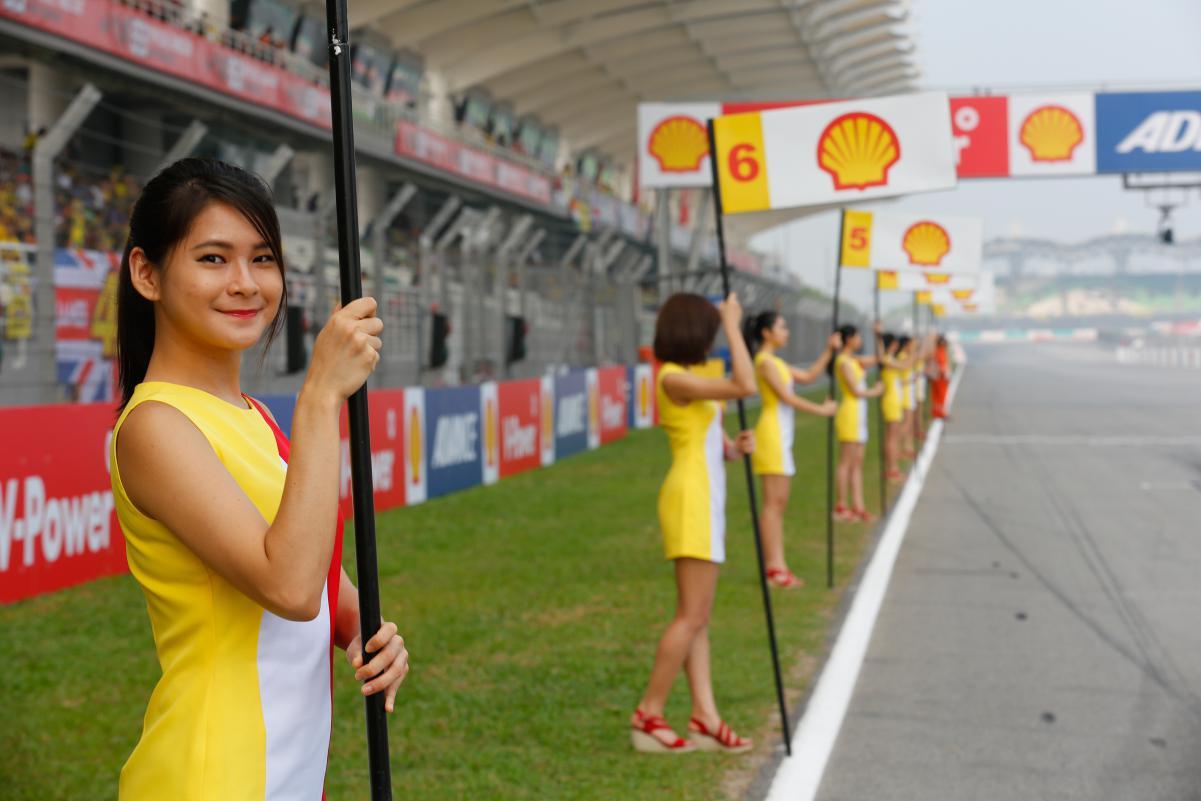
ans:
(612, 397)
(981, 134)
(421, 144)
(520, 426)
(57, 523)
(386, 418)
(1053, 134)
(414, 451)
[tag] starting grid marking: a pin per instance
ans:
(1160, 357)
(799, 778)
(1086, 440)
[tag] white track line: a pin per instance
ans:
(799, 777)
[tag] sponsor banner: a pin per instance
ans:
(674, 144)
(454, 436)
(85, 323)
(490, 415)
(1052, 134)
(520, 426)
(642, 396)
(129, 34)
(906, 241)
(1148, 132)
(415, 463)
(905, 281)
(834, 152)
(613, 395)
(571, 413)
(449, 155)
(385, 419)
(57, 523)
(981, 131)
(547, 421)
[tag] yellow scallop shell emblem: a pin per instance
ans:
(961, 294)
(971, 307)
(857, 150)
(643, 390)
(1051, 133)
(679, 143)
(937, 278)
(548, 421)
(490, 432)
(926, 243)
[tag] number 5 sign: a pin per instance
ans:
(932, 244)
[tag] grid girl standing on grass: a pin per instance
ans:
(766, 333)
(692, 512)
(851, 425)
(233, 535)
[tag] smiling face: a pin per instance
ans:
(221, 286)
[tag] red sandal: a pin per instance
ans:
(864, 516)
(642, 735)
(724, 739)
(784, 578)
(843, 515)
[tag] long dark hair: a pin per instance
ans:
(847, 332)
(161, 218)
(755, 325)
(685, 329)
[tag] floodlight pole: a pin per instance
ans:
(351, 282)
(718, 214)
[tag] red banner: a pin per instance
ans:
(57, 524)
(520, 432)
(614, 395)
(980, 129)
(421, 144)
(385, 416)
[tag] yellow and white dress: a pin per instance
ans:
(919, 383)
(243, 708)
(692, 500)
(774, 431)
(890, 401)
(850, 421)
(907, 398)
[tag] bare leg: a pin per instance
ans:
(771, 521)
(857, 475)
(700, 681)
(843, 473)
(696, 581)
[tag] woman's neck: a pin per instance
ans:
(179, 361)
(767, 349)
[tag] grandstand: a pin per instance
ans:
(497, 192)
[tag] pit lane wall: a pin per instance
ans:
(58, 527)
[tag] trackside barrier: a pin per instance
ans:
(58, 527)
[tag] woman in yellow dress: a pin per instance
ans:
(851, 425)
(233, 532)
(692, 512)
(766, 333)
(898, 357)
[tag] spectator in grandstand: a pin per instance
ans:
(692, 512)
(765, 334)
(851, 425)
(234, 540)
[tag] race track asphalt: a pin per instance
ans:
(1041, 635)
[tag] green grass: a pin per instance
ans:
(531, 609)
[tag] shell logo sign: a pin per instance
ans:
(962, 294)
(1051, 133)
(592, 380)
(817, 154)
(857, 150)
(490, 433)
(413, 419)
(909, 281)
(679, 144)
(902, 244)
(547, 422)
(926, 243)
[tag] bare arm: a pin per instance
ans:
(783, 390)
(815, 370)
(684, 387)
(172, 474)
(849, 378)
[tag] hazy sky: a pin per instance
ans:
(1013, 45)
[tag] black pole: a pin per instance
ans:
(880, 406)
(917, 349)
(351, 283)
(746, 460)
(842, 222)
